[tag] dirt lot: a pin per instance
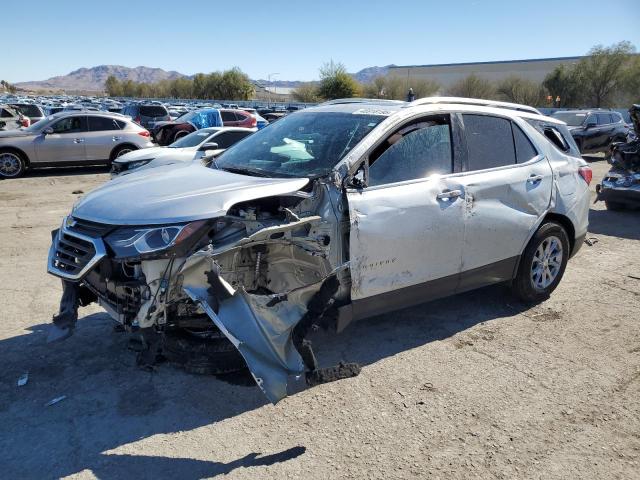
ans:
(475, 386)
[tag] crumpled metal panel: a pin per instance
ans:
(190, 192)
(262, 334)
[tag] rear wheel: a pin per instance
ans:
(180, 134)
(542, 264)
(12, 164)
(118, 152)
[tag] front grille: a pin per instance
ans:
(91, 229)
(73, 254)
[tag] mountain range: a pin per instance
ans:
(92, 79)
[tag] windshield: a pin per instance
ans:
(572, 119)
(192, 140)
(301, 145)
(202, 118)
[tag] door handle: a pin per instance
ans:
(449, 194)
(78, 140)
(534, 178)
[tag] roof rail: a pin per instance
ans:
(475, 101)
(340, 101)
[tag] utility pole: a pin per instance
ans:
(269, 80)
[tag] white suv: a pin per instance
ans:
(335, 213)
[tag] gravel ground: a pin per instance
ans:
(474, 386)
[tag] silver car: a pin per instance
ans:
(70, 138)
(206, 141)
(335, 213)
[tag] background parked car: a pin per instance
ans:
(34, 112)
(594, 130)
(12, 119)
(147, 115)
(261, 122)
(166, 133)
(238, 118)
(70, 138)
(207, 141)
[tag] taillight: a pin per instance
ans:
(144, 133)
(586, 173)
(254, 121)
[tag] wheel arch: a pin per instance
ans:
(115, 149)
(20, 152)
(566, 223)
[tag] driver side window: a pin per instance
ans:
(416, 150)
(70, 125)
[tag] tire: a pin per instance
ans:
(540, 269)
(180, 134)
(210, 355)
(614, 206)
(121, 150)
(12, 164)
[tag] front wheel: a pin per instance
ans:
(12, 164)
(542, 264)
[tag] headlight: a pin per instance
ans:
(135, 241)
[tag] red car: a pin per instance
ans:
(237, 118)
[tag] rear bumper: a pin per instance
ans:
(629, 196)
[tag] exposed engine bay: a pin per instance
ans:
(263, 275)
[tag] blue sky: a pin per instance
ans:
(43, 38)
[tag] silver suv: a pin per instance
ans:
(335, 213)
(70, 138)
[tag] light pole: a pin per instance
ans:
(269, 80)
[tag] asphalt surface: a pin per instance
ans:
(474, 386)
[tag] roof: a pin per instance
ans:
(494, 62)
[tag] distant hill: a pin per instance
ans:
(92, 79)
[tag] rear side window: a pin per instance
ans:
(558, 135)
(416, 151)
(525, 151)
(153, 111)
(228, 116)
(489, 142)
(98, 124)
(603, 118)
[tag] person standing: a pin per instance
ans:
(410, 95)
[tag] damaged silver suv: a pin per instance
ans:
(335, 213)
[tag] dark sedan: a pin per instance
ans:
(594, 130)
(165, 133)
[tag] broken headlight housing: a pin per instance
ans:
(128, 242)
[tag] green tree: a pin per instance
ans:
(603, 72)
(563, 83)
(520, 90)
(335, 82)
(113, 87)
(473, 86)
(307, 93)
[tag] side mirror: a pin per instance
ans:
(591, 124)
(357, 179)
(209, 146)
(47, 131)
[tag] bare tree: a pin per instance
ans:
(473, 86)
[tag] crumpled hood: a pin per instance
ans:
(176, 193)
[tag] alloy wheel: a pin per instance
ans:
(10, 164)
(547, 262)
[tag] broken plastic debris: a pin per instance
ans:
(55, 400)
(24, 378)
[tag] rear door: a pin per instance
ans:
(103, 135)
(407, 224)
(508, 186)
(66, 143)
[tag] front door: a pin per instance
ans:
(66, 143)
(407, 223)
(508, 186)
